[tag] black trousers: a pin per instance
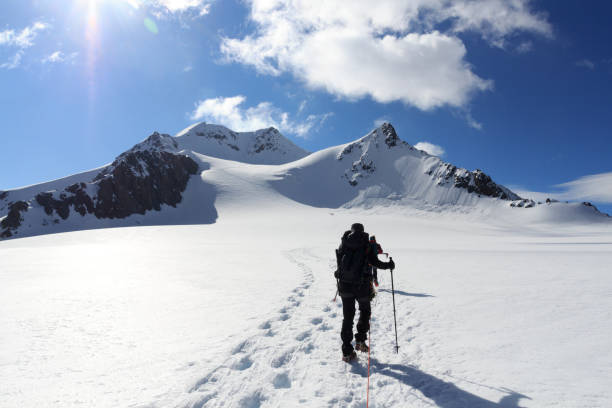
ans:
(363, 325)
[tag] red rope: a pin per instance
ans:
(368, 393)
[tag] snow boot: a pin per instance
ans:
(349, 357)
(361, 346)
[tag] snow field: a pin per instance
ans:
(124, 317)
(239, 313)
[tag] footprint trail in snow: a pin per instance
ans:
(294, 358)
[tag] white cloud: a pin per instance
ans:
(202, 7)
(13, 62)
(430, 148)
(524, 47)
(387, 50)
(24, 38)
(173, 6)
(302, 106)
(495, 20)
(595, 187)
(535, 195)
(20, 40)
(473, 123)
(586, 63)
(228, 111)
(379, 121)
(59, 56)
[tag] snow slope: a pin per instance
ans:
(239, 313)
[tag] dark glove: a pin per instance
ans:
(391, 264)
(337, 274)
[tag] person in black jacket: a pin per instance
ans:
(354, 258)
(377, 249)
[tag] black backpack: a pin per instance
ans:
(352, 257)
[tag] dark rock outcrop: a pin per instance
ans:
(473, 181)
(141, 181)
(359, 169)
(3, 195)
(480, 183)
(144, 178)
(74, 195)
(391, 138)
(268, 140)
(523, 203)
(13, 219)
(221, 137)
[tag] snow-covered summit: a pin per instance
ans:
(264, 146)
(156, 141)
(380, 168)
(444, 174)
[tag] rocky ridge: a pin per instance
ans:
(144, 178)
(443, 173)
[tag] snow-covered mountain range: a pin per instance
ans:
(167, 179)
(222, 296)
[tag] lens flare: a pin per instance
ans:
(151, 26)
(93, 44)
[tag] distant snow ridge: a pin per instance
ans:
(376, 170)
(264, 146)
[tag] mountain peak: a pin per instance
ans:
(207, 130)
(263, 146)
(388, 131)
(385, 135)
(156, 141)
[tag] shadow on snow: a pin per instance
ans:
(401, 292)
(443, 393)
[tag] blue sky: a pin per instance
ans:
(520, 89)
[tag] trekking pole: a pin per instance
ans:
(394, 318)
(369, 349)
(337, 284)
